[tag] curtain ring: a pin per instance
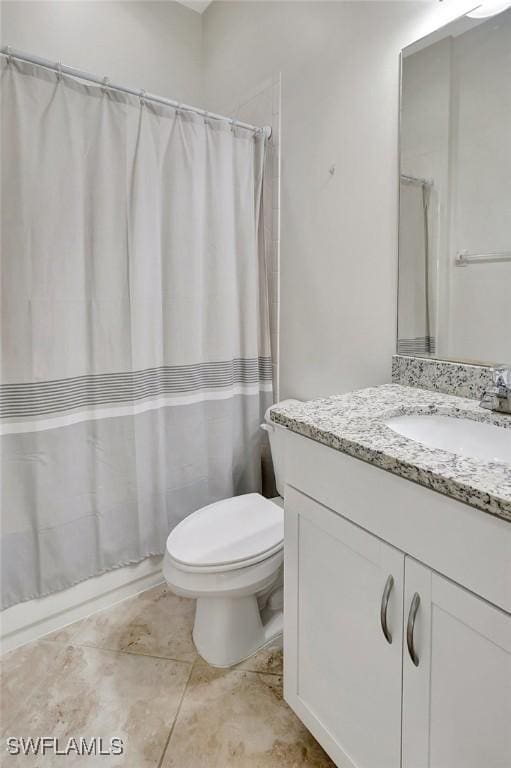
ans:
(141, 96)
(104, 87)
(233, 125)
(9, 54)
(59, 71)
(206, 118)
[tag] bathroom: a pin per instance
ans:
(256, 383)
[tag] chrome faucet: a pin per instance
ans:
(498, 398)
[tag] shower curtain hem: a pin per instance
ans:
(85, 578)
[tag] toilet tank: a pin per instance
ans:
(277, 434)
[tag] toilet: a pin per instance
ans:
(229, 557)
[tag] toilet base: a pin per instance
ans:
(229, 630)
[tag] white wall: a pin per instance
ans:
(151, 45)
(262, 107)
(340, 83)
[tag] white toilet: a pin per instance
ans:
(229, 557)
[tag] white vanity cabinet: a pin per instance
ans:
(342, 676)
(457, 701)
(363, 697)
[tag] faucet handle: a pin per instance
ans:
(502, 377)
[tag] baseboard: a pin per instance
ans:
(22, 623)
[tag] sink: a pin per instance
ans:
(463, 436)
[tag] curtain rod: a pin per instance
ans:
(463, 258)
(59, 68)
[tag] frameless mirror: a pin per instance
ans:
(454, 298)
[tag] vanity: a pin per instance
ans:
(397, 610)
(397, 621)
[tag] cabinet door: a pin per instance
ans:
(457, 701)
(341, 675)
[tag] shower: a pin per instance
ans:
(136, 362)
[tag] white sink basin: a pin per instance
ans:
(463, 436)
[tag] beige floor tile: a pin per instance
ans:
(122, 672)
(22, 671)
(238, 719)
(154, 623)
(93, 692)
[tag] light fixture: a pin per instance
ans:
(489, 8)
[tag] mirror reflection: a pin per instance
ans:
(455, 193)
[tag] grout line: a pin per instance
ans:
(238, 668)
(178, 710)
(61, 644)
(192, 662)
(251, 671)
(117, 650)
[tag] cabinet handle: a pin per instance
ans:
(383, 608)
(414, 607)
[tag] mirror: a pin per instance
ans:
(454, 297)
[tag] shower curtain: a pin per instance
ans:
(135, 345)
(415, 334)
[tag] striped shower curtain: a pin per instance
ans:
(135, 345)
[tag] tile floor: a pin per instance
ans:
(132, 672)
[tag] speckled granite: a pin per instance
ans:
(460, 379)
(355, 424)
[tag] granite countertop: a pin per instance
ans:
(354, 423)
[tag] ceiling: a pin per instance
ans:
(196, 5)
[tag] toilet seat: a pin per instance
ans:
(230, 534)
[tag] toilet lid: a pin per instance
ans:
(235, 530)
